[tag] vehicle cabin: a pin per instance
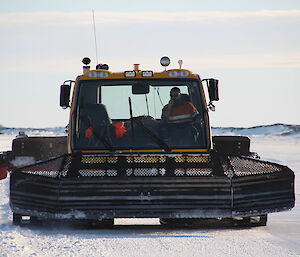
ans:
(122, 111)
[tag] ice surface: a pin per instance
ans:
(280, 238)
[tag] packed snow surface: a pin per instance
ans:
(145, 237)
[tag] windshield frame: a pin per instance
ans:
(198, 101)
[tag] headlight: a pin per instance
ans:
(147, 73)
(129, 74)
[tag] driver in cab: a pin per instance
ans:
(178, 110)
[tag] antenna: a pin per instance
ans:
(95, 37)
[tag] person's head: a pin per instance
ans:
(175, 93)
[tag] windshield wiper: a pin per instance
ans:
(155, 138)
(104, 141)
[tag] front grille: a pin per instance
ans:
(245, 167)
(148, 165)
(152, 185)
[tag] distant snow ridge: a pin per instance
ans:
(57, 131)
(267, 130)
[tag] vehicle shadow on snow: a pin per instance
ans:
(129, 231)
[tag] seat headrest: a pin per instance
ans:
(185, 98)
(96, 113)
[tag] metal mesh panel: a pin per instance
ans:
(179, 172)
(192, 159)
(99, 159)
(129, 159)
(48, 173)
(198, 172)
(91, 172)
(193, 172)
(146, 159)
(47, 169)
(90, 159)
(197, 159)
(149, 165)
(145, 172)
(244, 167)
(112, 173)
(112, 159)
(179, 158)
(97, 172)
(162, 159)
(162, 171)
(93, 159)
(66, 167)
(129, 172)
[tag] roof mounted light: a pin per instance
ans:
(130, 74)
(102, 67)
(180, 62)
(165, 61)
(147, 73)
(178, 73)
(86, 60)
(136, 67)
(98, 74)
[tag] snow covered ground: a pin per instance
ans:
(281, 237)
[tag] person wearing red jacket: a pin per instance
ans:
(178, 110)
(177, 118)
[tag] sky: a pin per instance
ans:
(252, 47)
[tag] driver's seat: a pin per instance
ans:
(95, 116)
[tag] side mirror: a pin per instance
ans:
(65, 96)
(213, 92)
(140, 88)
(213, 89)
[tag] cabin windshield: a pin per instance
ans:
(131, 115)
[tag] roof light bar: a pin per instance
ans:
(98, 74)
(147, 73)
(130, 74)
(178, 73)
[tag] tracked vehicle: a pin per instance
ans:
(120, 160)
